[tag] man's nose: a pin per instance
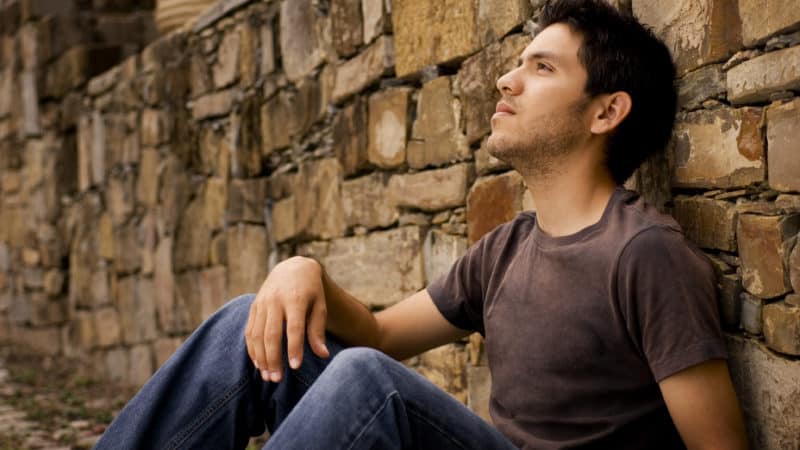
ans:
(505, 84)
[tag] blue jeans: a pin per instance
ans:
(209, 395)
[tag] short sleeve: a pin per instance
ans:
(667, 291)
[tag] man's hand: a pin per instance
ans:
(292, 293)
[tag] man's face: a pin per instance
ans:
(542, 113)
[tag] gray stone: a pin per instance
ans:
(267, 50)
(30, 105)
(705, 83)
(440, 251)
(752, 314)
(107, 331)
(431, 190)
(754, 80)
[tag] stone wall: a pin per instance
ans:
(136, 202)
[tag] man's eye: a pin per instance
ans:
(541, 66)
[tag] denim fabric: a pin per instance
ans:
(209, 395)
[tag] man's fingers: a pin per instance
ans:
(248, 331)
(255, 337)
(295, 333)
(273, 342)
(316, 330)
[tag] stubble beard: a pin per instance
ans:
(536, 151)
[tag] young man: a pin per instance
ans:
(599, 318)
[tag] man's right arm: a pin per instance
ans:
(299, 293)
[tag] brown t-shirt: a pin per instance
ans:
(580, 329)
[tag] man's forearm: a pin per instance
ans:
(348, 318)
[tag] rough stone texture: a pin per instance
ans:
(492, 201)
(782, 328)
(364, 69)
(705, 83)
(444, 367)
(752, 314)
(140, 365)
(708, 223)
(697, 32)
(274, 122)
(393, 256)
(763, 242)
(768, 389)
(783, 123)
(794, 268)
(226, 70)
(301, 48)
(248, 253)
(388, 127)
(475, 82)
(414, 190)
(136, 303)
(436, 138)
(350, 137)
(479, 390)
(346, 26)
(107, 327)
(719, 148)
(318, 200)
(440, 251)
(375, 18)
(730, 287)
(246, 200)
(212, 105)
(760, 19)
(754, 80)
(363, 201)
(498, 17)
(284, 223)
(417, 23)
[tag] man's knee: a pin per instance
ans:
(359, 361)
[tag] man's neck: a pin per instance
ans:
(571, 197)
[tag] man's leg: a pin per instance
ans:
(208, 395)
(367, 400)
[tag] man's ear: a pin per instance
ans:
(612, 110)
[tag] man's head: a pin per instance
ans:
(591, 73)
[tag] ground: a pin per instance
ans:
(48, 403)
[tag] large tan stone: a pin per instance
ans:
(350, 137)
(213, 153)
(783, 133)
(244, 138)
(697, 32)
(436, 138)
(127, 249)
(440, 251)
(346, 26)
(204, 215)
(708, 223)
(445, 366)
(754, 80)
(498, 17)
(212, 105)
(318, 200)
(492, 201)
(137, 309)
(248, 254)
(284, 223)
(431, 190)
(172, 318)
(475, 82)
(274, 122)
(300, 39)
(147, 181)
(479, 390)
(761, 19)
(226, 68)
(364, 202)
(719, 148)
(763, 249)
(767, 387)
(140, 365)
(782, 328)
(375, 18)
(41, 341)
(246, 200)
(794, 268)
(429, 33)
(388, 127)
(156, 127)
(173, 196)
(364, 69)
(107, 330)
(379, 269)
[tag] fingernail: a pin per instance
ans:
(275, 376)
(294, 362)
(265, 375)
(255, 363)
(325, 347)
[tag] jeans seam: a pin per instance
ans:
(412, 410)
(372, 419)
(207, 414)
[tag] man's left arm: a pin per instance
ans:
(704, 408)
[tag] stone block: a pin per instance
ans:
(117, 364)
(213, 292)
(171, 317)
(204, 215)
(782, 328)
(794, 268)
(98, 149)
(375, 18)
(107, 327)
(436, 138)
(479, 390)
(301, 49)
(275, 115)
(707, 222)
(430, 33)
(720, 148)
(395, 254)
(493, 201)
(440, 251)
(163, 348)
(127, 246)
(752, 313)
(248, 258)
(137, 309)
(245, 140)
(432, 190)
(147, 182)
(475, 82)
(31, 125)
(174, 190)
(445, 366)
(200, 82)
(46, 311)
(267, 61)
(346, 26)
(41, 341)
(212, 105)
(156, 127)
(388, 127)
(81, 330)
(696, 32)
(284, 223)
(767, 388)
(699, 85)
(350, 137)
(246, 200)
(226, 69)
(248, 54)
(213, 155)
(730, 308)
(363, 69)
(760, 19)
(140, 365)
(754, 80)
(783, 132)
(53, 282)
(318, 201)
(763, 247)
(363, 201)
(496, 18)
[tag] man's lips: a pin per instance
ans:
(503, 108)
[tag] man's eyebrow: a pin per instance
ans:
(539, 55)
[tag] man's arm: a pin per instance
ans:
(300, 294)
(703, 406)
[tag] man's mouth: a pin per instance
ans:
(502, 109)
